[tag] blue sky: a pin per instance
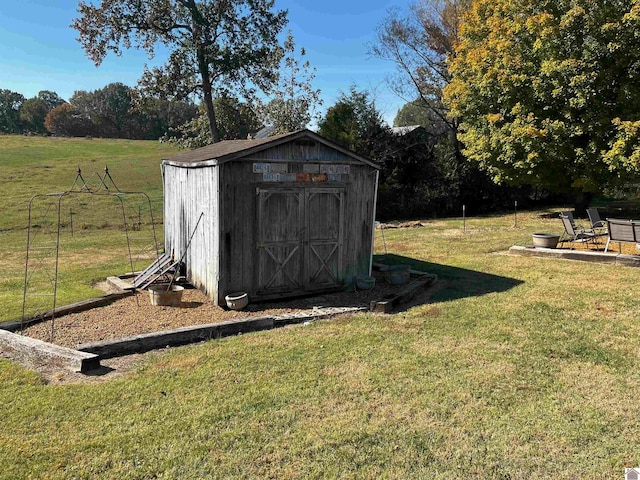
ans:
(38, 50)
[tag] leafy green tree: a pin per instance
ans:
(236, 120)
(216, 45)
(83, 102)
(154, 118)
(113, 114)
(106, 111)
(421, 174)
(412, 113)
(10, 103)
(118, 111)
(548, 91)
(32, 114)
(52, 99)
(34, 110)
(340, 125)
(296, 101)
(353, 121)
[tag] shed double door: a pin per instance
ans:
(300, 236)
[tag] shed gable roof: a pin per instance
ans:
(228, 150)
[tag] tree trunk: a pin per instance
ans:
(203, 67)
(213, 124)
(208, 98)
(581, 202)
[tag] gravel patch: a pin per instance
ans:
(135, 315)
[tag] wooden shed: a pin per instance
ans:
(277, 217)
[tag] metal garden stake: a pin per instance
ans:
(464, 218)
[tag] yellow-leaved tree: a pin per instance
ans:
(548, 92)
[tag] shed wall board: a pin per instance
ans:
(237, 227)
(190, 192)
(359, 203)
(301, 151)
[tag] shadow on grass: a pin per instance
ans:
(453, 282)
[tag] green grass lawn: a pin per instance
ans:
(40, 165)
(512, 367)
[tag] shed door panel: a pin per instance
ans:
(324, 211)
(280, 252)
(299, 239)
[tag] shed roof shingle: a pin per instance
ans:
(231, 149)
(220, 150)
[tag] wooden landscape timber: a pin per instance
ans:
(65, 310)
(198, 333)
(33, 351)
(88, 355)
(392, 301)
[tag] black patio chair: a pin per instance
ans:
(573, 233)
(598, 225)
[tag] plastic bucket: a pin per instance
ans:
(365, 282)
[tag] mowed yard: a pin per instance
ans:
(509, 367)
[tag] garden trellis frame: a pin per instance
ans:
(106, 188)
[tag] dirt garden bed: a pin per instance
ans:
(136, 315)
(105, 341)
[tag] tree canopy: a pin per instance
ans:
(117, 111)
(548, 91)
(50, 98)
(236, 120)
(353, 121)
(419, 43)
(32, 114)
(295, 101)
(66, 121)
(10, 103)
(220, 45)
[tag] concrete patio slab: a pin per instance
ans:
(578, 255)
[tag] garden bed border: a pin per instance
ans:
(578, 255)
(87, 356)
(38, 352)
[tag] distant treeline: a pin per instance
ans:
(115, 111)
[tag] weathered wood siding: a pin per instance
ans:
(304, 151)
(240, 257)
(359, 206)
(236, 248)
(188, 193)
(237, 225)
